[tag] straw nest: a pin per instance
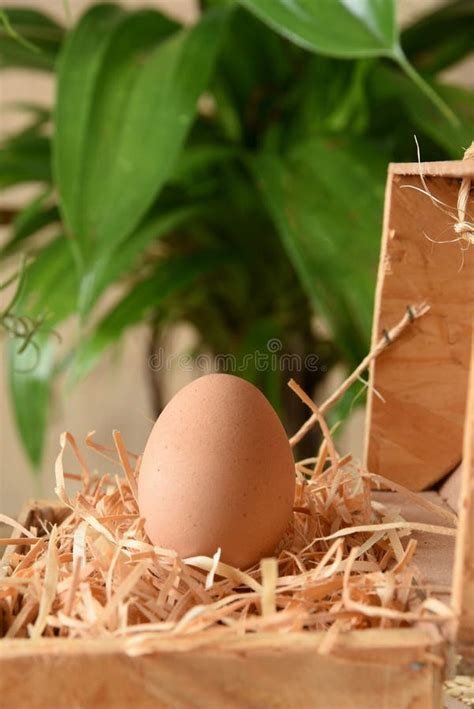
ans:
(86, 568)
(89, 570)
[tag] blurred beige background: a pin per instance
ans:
(116, 394)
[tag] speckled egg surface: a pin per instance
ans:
(217, 471)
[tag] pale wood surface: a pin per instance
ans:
(463, 589)
(415, 437)
(445, 168)
(375, 669)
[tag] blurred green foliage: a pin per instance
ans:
(230, 174)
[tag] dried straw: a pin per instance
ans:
(462, 220)
(345, 562)
(463, 227)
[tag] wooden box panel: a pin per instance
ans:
(415, 433)
(396, 669)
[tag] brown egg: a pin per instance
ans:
(217, 471)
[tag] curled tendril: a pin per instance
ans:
(23, 327)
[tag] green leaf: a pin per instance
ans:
(25, 158)
(51, 284)
(49, 291)
(108, 268)
(260, 371)
(201, 159)
(441, 38)
(345, 29)
(252, 75)
(326, 199)
(170, 276)
(121, 121)
(338, 28)
(29, 39)
(118, 60)
(79, 66)
(30, 220)
(40, 114)
(330, 97)
(29, 379)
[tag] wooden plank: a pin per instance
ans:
(445, 168)
(463, 585)
(392, 669)
(414, 436)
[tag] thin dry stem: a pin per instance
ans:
(412, 313)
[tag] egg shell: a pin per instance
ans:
(218, 471)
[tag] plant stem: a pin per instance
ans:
(11, 32)
(425, 88)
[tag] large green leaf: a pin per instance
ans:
(254, 359)
(25, 158)
(345, 29)
(338, 28)
(36, 215)
(51, 283)
(122, 115)
(254, 70)
(79, 66)
(108, 268)
(120, 58)
(441, 38)
(170, 276)
(326, 199)
(29, 38)
(200, 161)
(330, 97)
(29, 379)
(49, 292)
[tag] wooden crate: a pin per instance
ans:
(415, 435)
(407, 440)
(399, 667)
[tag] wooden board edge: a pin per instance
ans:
(376, 316)
(463, 575)
(382, 646)
(267, 677)
(449, 168)
(380, 449)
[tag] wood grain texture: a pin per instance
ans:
(415, 435)
(463, 588)
(372, 669)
